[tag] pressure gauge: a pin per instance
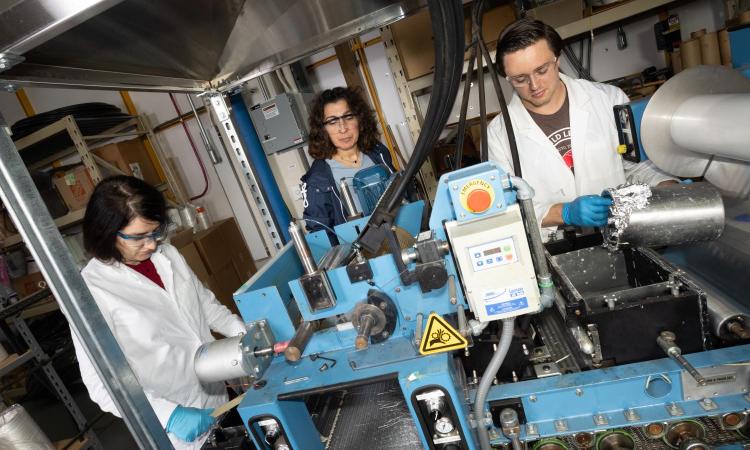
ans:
(444, 425)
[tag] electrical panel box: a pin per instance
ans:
(281, 123)
(494, 262)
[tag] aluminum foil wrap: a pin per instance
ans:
(626, 198)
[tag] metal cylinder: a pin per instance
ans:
(713, 125)
(302, 336)
(220, 360)
(303, 250)
(722, 310)
(346, 196)
(19, 431)
(675, 214)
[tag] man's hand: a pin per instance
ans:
(587, 211)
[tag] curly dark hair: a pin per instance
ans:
(320, 146)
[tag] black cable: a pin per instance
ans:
(447, 28)
(483, 152)
(464, 106)
(503, 106)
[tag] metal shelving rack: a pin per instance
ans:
(82, 144)
(13, 314)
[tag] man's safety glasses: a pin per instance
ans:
(525, 80)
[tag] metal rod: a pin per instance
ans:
(45, 243)
(303, 250)
(363, 337)
(215, 157)
(299, 341)
(666, 341)
(346, 195)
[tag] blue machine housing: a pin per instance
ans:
(591, 401)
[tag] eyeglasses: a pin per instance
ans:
(525, 80)
(137, 240)
(336, 120)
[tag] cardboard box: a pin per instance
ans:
(415, 43)
(28, 284)
(75, 186)
(219, 258)
(558, 13)
(132, 158)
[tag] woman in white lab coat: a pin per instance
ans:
(157, 309)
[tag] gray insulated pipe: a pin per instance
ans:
(525, 195)
(506, 336)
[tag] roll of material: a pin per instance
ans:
(714, 125)
(3, 353)
(710, 53)
(672, 215)
(697, 34)
(724, 49)
(721, 309)
(691, 53)
(676, 61)
(18, 431)
(745, 17)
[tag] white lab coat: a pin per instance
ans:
(159, 331)
(594, 141)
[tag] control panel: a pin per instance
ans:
(494, 262)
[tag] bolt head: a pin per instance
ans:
(532, 398)
(579, 392)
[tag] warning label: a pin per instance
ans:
(440, 336)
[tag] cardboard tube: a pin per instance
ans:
(745, 17)
(697, 34)
(710, 54)
(691, 53)
(724, 48)
(676, 61)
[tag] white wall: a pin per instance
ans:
(158, 108)
(607, 62)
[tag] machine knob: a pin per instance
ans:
(478, 200)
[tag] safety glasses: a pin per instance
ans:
(138, 240)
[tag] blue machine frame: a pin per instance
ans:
(592, 401)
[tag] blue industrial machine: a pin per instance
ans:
(596, 362)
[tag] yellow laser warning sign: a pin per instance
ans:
(440, 336)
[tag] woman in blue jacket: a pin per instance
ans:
(343, 141)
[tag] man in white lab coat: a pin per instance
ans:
(157, 309)
(565, 132)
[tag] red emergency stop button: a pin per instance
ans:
(478, 200)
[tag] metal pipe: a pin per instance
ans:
(215, 158)
(299, 341)
(675, 214)
(303, 250)
(725, 115)
(525, 195)
(346, 195)
(489, 375)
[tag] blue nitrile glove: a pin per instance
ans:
(686, 181)
(587, 211)
(189, 423)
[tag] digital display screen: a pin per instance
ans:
(492, 251)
